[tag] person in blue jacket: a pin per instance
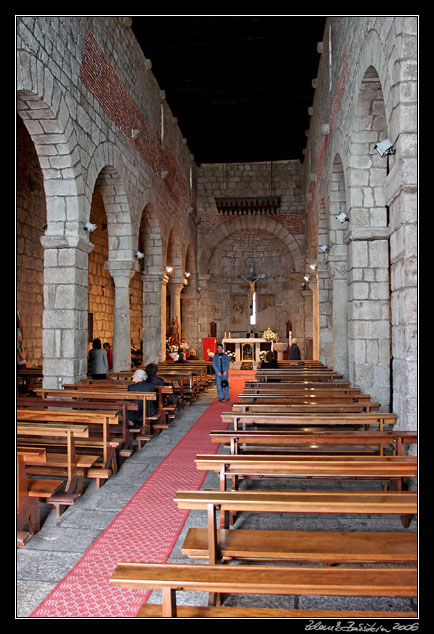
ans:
(221, 364)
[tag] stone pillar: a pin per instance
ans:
(190, 312)
(368, 312)
(314, 287)
(154, 317)
(338, 272)
(175, 288)
(64, 321)
(122, 272)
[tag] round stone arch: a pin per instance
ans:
(107, 170)
(66, 245)
(367, 237)
(258, 223)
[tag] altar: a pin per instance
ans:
(246, 349)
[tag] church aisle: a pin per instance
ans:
(132, 516)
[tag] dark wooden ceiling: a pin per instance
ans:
(240, 86)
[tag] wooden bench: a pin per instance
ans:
(281, 580)
(300, 419)
(399, 503)
(117, 438)
(70, 465)
(297, 375)
(99, 420)
(304, 396)
(30, 491)
(386, 468)
(314, 547)
(91, 392)
(315, 405)
(302, 388)
(314, 441)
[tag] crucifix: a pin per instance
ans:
(251, 278)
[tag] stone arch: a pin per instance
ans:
(260, 223)
(51, 128)
(369, 334)
(336, 260)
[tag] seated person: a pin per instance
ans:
(192, 356)
(270, 361)
(139, 384)
(151, 371)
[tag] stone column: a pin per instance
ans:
(368, 312)
(175, 288)
(154, 317)
(190, 301)
(338, 272)
(64, 321)
(313, 285)
(122, 272)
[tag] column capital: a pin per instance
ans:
(121, 269)
(338, 270)
(66, 242)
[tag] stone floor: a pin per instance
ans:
(52, 552)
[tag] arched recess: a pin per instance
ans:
(369, 331)
(260, 223)
(225, 296)
(154, 281)
(336, 259)
(31, 218)
(65, 242)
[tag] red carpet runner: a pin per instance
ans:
(145, 530)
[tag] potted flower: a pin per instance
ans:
(231, 356)
(270, 335)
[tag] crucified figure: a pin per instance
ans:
(251, 280)
(252, 289)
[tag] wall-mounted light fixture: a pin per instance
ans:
(342, 217)
(313, 267)
(385, 148)
(169, 269)
(307, 278)
(90, 227)
(324, 248)
(187, 274)
(139, 255)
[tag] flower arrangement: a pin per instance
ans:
(262, 355)
(231, 356)
(269, 335)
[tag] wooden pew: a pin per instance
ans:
(29, 491)
(157, 422)
(314, 405)
(351, 581)
(117, 441)
(386, 468)
(70, 465)
(304, 396)
(302, 388)
(399, 503)
(296, 375)
(323, 419)
(100, 420)
(91, 393)
(314, 441)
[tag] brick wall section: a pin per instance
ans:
(102, 80)
(280, 178)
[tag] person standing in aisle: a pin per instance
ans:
(221, 364)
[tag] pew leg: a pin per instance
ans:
(169, 602)
(405, 520)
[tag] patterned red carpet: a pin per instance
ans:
(145, 530)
